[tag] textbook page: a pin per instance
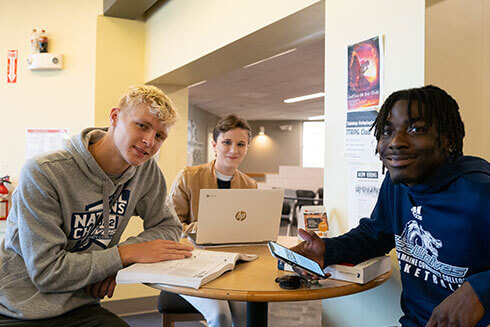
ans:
(202, 267)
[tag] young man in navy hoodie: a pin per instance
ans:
(433, 207)
(61, 250)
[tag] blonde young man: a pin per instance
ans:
(61, 249)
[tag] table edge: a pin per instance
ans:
(277, 296)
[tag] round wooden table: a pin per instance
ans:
(254, 282)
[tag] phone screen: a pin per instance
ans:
(295, 259)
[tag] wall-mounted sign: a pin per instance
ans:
(365, 73)
(42, 140)
(365, 61)
(359, 141)
(12, 59)
(365, 181)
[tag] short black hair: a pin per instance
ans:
(230, 122)
(433, 103)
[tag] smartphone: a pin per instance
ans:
(295, 259)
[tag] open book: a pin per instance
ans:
(201, 268)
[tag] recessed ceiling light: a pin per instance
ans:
(321, 117)
(198, 83)
(305, 97)
(275, 56)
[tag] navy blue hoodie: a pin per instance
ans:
(441, 231)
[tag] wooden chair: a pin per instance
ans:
(175, 308)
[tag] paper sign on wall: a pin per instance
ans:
(364, 184)
(43, 140)
(359, 140)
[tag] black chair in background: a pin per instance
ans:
(286, 210)
(288, 206)
(175, 308)
(303, 199)
(319, 192)
(288, 214)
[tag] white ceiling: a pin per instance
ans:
(257, 92)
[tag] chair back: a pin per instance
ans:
(286, 209)
(301, 195)
(175, 308)
(319, 192)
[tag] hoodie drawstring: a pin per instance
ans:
(106, 205)
(105, 209)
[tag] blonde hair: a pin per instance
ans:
(159, 104)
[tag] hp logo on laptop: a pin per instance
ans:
(240, 215)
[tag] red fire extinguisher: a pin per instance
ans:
(4, 198)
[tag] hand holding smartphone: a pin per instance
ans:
(296, 259)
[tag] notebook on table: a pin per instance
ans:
(238, 216)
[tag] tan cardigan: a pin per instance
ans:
(189, 182)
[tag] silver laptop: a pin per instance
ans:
(238, 216)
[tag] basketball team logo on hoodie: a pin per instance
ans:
(417, 212)
(87, 227)
(418, 252)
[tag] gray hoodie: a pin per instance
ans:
(57, 239)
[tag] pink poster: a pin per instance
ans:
(364, 74)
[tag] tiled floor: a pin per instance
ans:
(155, 320)
(283, 314)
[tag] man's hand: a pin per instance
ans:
(100, 289)
(153, 251)
(460, 309)
(312, 247)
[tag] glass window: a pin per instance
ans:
(313, 143)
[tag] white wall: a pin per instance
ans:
(46, 99)
(347, 22)
(182, 31)
(275, 148)
(295, 178)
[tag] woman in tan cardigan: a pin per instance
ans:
(231, 139)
